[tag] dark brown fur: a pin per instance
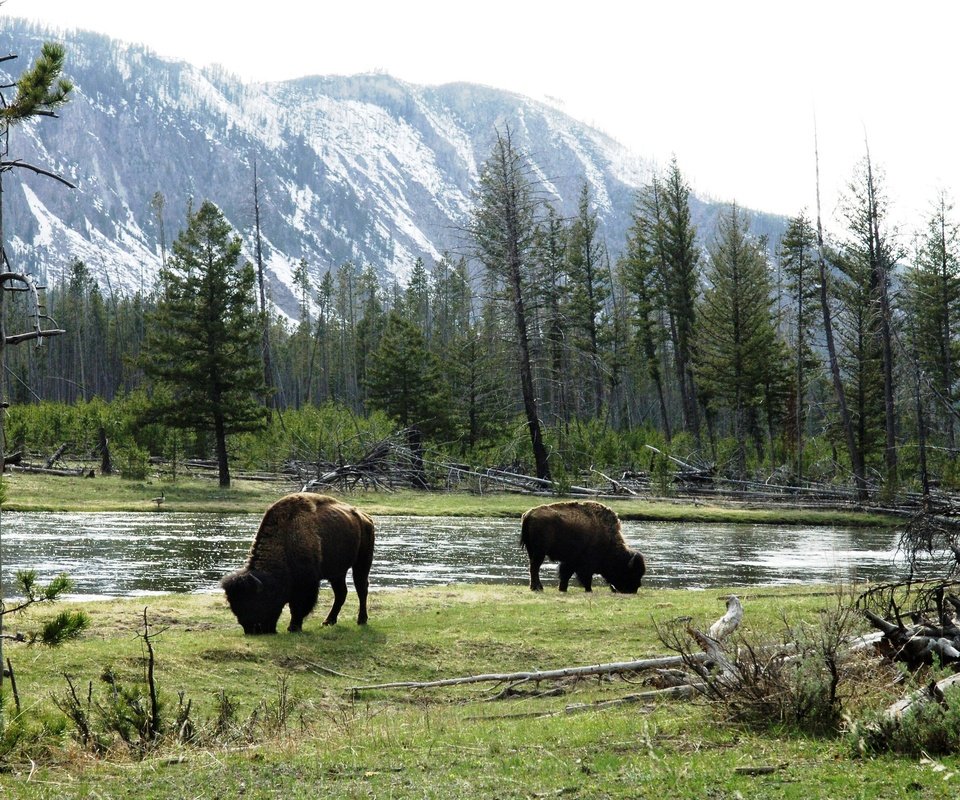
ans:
(585, 538)
(303, 538)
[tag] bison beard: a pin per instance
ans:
(303, 538)
(584, 537)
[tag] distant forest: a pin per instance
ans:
(552, 352)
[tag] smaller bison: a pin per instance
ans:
(303, 538)
(585, 538)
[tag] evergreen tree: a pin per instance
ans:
(638, 268)
(40, 89)
(860, 356)
(321, 349)
(798, 260)
(679, 260)
(870, 255)
(416, 298)
(346, 368)
(589, 289)
(503, 227)
(372, 320)
(203, 342)
(737, 343)
(403, 378)
(551, 277)
(932, 306)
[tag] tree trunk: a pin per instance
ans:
(269, 400)
(880, 270)
(220, 433)
(106, 465)
(856, 456)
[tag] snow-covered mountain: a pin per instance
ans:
(364, 168)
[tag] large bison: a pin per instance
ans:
(303, 538)
(585, 538)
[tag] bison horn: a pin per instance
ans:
(257, 581)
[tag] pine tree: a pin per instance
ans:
(798, 260)
(204, 338)
(679, 261)
(860, 356)
(589, 290)
(403, 378)
(416, 299)
(638, 268)
(932, 306)
(737, 346)
(41, 89)
(870, 255)
(551, 278)
(504, 227)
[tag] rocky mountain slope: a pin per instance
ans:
(364, 168)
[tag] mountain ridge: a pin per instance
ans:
(364, 168)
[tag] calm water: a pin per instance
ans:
(126, 554)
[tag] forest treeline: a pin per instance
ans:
(547, 348)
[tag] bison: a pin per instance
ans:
(585, 538)
(303, 538)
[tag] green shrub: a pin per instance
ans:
(928, 728)
(134, 463)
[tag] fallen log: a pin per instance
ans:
(59, 452)
(681, 692)
(657, 662)
(68, 473)
(931, 692)
(912, 645)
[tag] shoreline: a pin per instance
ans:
(27, 492)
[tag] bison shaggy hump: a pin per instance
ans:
(303, 538)
(584, 537)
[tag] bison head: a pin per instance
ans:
(629, 576)
(254, 600)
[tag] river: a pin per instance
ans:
(132, 554)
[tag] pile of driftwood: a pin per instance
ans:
(918, 626)
(917, 620)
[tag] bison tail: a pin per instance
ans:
(525, 531)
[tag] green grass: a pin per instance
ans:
(439, 743)
(33, 492)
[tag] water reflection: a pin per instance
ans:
(110, 555)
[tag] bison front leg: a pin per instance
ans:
(339, 586)
(361, 583)
(566, 572)
(301, 604)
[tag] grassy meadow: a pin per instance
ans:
(277, 717)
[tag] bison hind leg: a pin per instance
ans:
(566, 572)
(339, 586)
(586, 580)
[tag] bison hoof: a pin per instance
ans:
(329, 622)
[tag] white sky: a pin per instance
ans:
(731, 87)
